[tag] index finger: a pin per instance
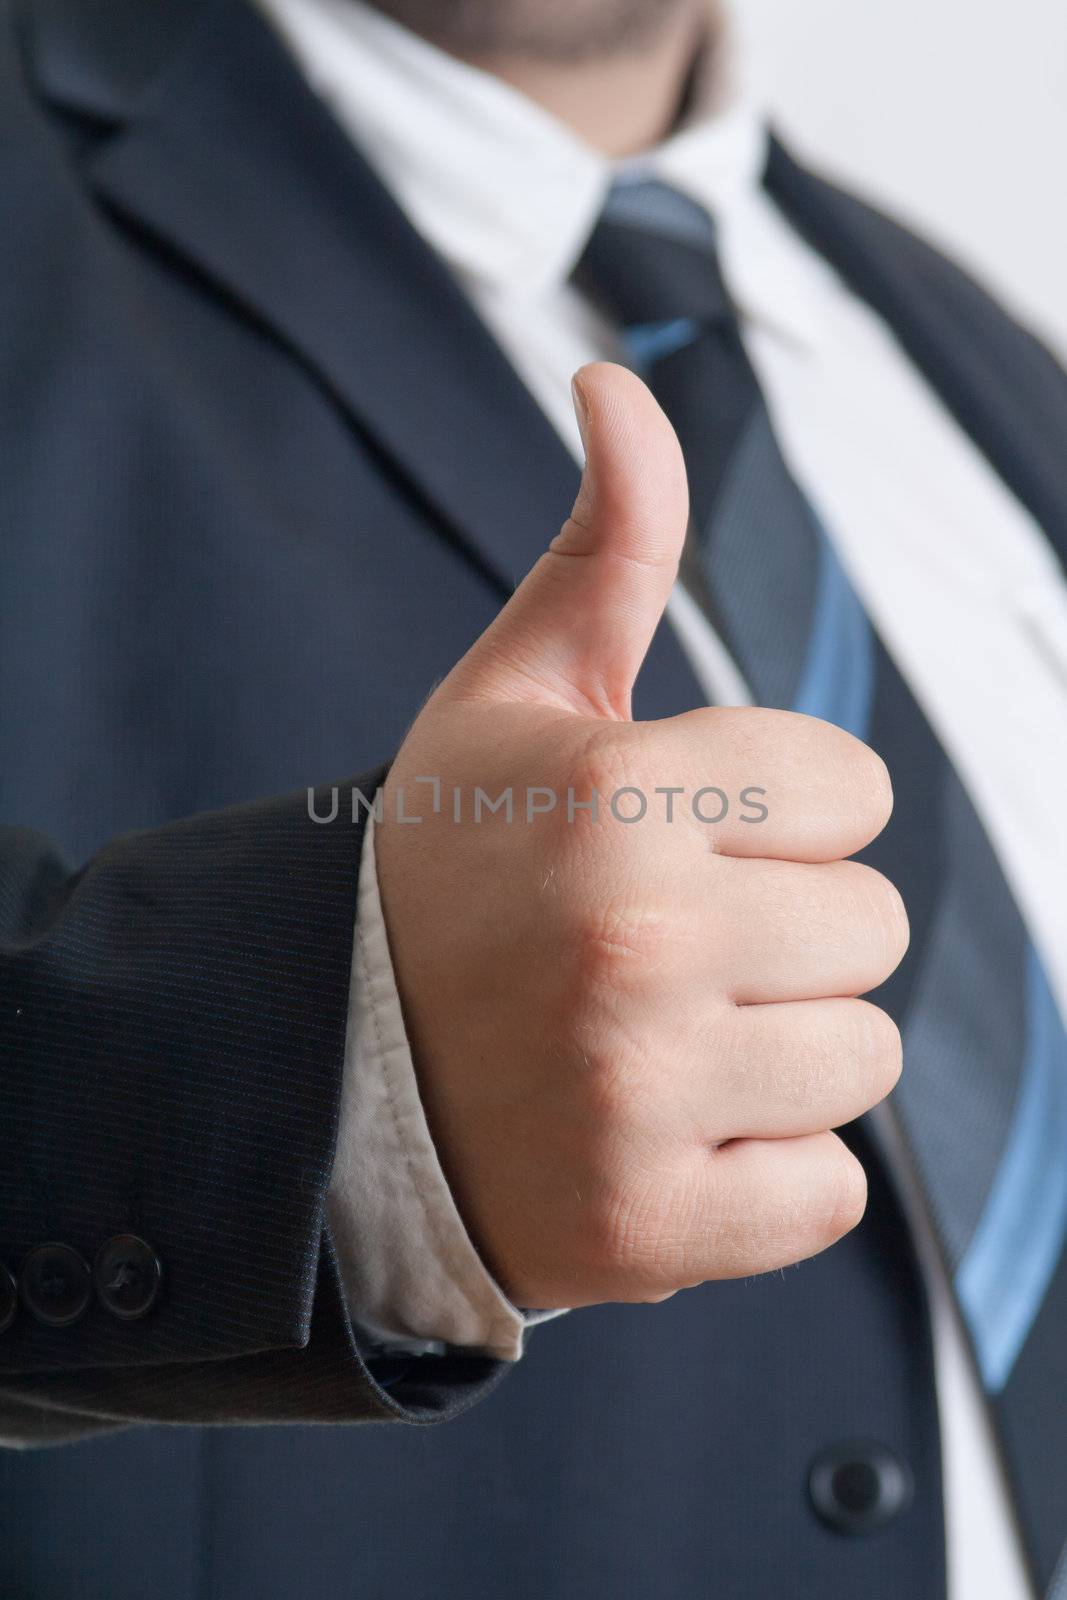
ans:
(776, 784)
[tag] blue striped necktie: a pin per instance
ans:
(983, 1098)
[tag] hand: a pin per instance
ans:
(632, 1039)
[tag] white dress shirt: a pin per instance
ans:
(959, 580)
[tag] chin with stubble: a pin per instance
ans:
(563, 31)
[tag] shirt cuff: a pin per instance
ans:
(412, 1277)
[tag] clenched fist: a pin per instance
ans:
(632, 1037)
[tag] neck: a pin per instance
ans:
(620, 104)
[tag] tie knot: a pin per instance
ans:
(652, 262)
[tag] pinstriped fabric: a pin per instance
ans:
(983, 1100)
(324, 1380)
(142, 1012)
(172, 1037)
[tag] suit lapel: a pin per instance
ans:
(223, 155)
(232, 162)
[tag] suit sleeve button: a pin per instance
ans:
(127, 1275)
(55, 1285)
(9, 1298)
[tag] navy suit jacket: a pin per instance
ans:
(264, 476)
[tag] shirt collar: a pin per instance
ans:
(507, 194)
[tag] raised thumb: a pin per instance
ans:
(576, 630)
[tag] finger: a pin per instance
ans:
(787, 930)
(577, 629)
(797, 1067)
(767, 1203)
(773, 783)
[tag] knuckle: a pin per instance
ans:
(617, 1095)
(621, 941)
(612, 756)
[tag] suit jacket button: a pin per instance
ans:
(9, 1298)
(55, 1285)
(127, 1275)
(859, 1488)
